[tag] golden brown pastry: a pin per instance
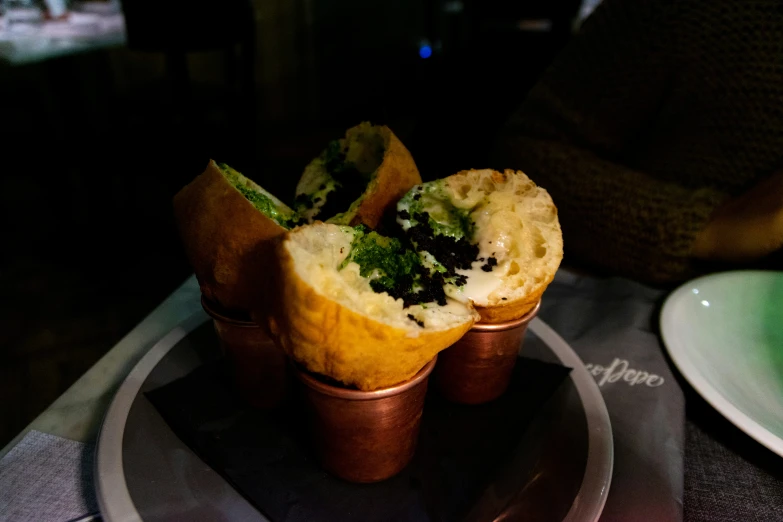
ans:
(494, 235)
(358, 307)
(357, 178)
(225, 220)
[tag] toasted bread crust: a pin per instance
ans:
(396, 175)
(512, 310)
(543, 217)
(330, 339)
(225, 239)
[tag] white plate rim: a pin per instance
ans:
(693, 375)
(600, 452)
(116, 504)
(111, 489)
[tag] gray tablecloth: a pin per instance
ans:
(46, 478)
(729, 477)
(662, 461)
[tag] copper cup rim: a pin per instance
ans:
(508, 325)
(360, 395)
(212, 310)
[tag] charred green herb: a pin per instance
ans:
(394, 268)
(263, 201)
(430, 201)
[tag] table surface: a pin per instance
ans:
(77, 414)
(725, 471)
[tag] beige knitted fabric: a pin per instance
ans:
(655, 113)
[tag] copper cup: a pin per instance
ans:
(365, 436)
(258, 366)
(477, 368)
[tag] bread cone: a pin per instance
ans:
(356, 179)
(225, 219)
(225, 235)
(496, 234)
(327, 316)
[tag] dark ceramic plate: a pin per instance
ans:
(145, 472)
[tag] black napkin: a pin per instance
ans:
(267, 458)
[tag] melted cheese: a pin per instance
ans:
(507, 214)
(480, 283)
(403, 204)
(320, 249)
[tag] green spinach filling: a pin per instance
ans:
(395, 268)
(439, 231)
(445, 219)
(262, 201)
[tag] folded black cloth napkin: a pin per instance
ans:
(265, 455)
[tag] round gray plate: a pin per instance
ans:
(144, 472)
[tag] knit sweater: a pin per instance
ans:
(654, 114)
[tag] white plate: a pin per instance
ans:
(144, 472)
(725, 334)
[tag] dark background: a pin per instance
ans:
(94, 146)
